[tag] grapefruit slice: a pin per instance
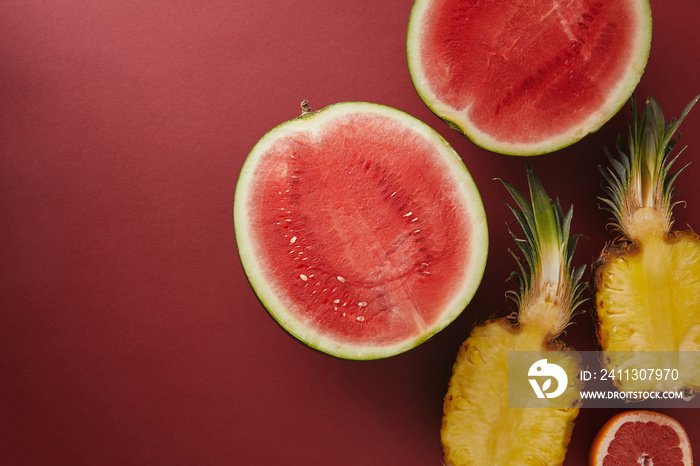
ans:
(527, 78)
(360, 229)
(641, 438)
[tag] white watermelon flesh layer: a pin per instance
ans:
(366, 232)
(528, 77)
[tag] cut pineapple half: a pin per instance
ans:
(479, 427)
(647, 281)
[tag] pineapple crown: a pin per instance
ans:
(548, 248)
(640, 181)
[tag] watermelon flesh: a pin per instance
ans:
(364, 240)
(527, 78)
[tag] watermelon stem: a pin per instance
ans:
(305, 109)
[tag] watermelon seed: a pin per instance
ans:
(337, 301)
(293, 240)
(303, 277)
(360, 318)
(340, 279)
(362, 304)
(408, 214)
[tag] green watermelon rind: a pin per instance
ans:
(457, 120)
(269, 297)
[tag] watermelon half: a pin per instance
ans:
(527, 78)
(360, 229)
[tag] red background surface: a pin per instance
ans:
(128, 332)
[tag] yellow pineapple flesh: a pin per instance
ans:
(479, 427)
(647, 281)
(649, 296)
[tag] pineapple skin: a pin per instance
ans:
(647, 296)
(478, 427)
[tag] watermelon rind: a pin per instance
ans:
(458, 119)
(270, 297)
